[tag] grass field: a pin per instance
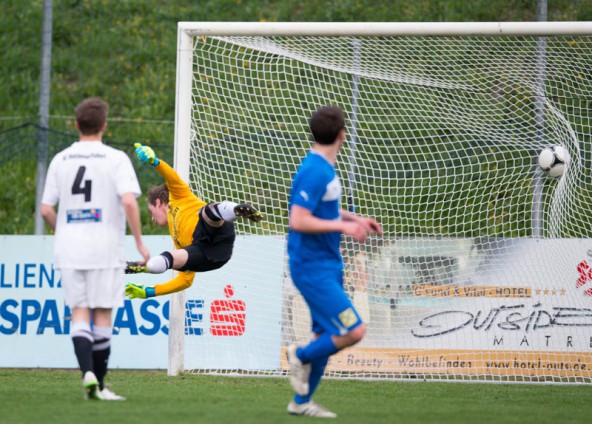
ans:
(55, 396)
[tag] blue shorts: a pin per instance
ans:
(331, 309)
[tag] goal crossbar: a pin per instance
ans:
(385, 28)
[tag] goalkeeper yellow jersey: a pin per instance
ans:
(183, 218)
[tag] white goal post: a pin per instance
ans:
(484, 272)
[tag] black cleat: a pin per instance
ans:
(135, 268)
(244, 210)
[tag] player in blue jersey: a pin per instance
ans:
(316, 266)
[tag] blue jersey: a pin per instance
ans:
(317, 188)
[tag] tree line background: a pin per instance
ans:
(125, 52)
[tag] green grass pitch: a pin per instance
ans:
(55, 396)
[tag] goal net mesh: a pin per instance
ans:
(482, 272)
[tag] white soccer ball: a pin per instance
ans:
(553, 160)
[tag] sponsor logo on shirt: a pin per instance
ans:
(82, 156)
(333, 191)
(74, 216)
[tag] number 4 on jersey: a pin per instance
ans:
(78, 188)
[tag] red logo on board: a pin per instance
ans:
(585, 277)
(227, 317)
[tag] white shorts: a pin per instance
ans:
(93, 288)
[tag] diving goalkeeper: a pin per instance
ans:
(203, 234)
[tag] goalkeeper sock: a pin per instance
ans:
(101, 351)
(317, 369)
(159, 264)
(83, 340)
(322, 347)
(223, 210)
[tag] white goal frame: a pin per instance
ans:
(188, 31)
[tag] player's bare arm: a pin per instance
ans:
(371, 225)
(302, 220)
(132, 213)
(49, 215)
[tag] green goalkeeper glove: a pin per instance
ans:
(145, 154)
(139, 291)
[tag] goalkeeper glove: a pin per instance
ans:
(139, 291)
(146, 154)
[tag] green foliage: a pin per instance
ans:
(125, 51)
(35, 396)
(17, 198)
(18, 164)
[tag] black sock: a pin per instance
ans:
(168, 258)
(100, 359)
(214, 215)
(84, 353)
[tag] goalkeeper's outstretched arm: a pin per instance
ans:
(182, 281)
(174, 182)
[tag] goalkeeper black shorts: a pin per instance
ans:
(211, 247)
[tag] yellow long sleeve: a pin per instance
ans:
(183, 206)
(183, 218)
(182, 281)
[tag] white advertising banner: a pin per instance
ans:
(235, 322)
(523, 294)
(35, 323)
(505, 307)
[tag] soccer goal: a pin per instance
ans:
(484, 272)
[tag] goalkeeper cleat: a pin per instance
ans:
(91, 386)
(299, 372)
(109, 395)
(244, 210)
(135, 268)
(310, 409)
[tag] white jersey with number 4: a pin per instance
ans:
(87, 180)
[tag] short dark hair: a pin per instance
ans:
(160, 192)
(91, 115)
(326, 123)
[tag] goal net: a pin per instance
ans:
(484, 271)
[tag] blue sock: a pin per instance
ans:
(317, 369)
(322, 347)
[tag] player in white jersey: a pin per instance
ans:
(96, 188)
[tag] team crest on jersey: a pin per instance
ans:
(333, 191)
(348, 317)
(83, 215)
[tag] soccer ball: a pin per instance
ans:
(553, 160)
